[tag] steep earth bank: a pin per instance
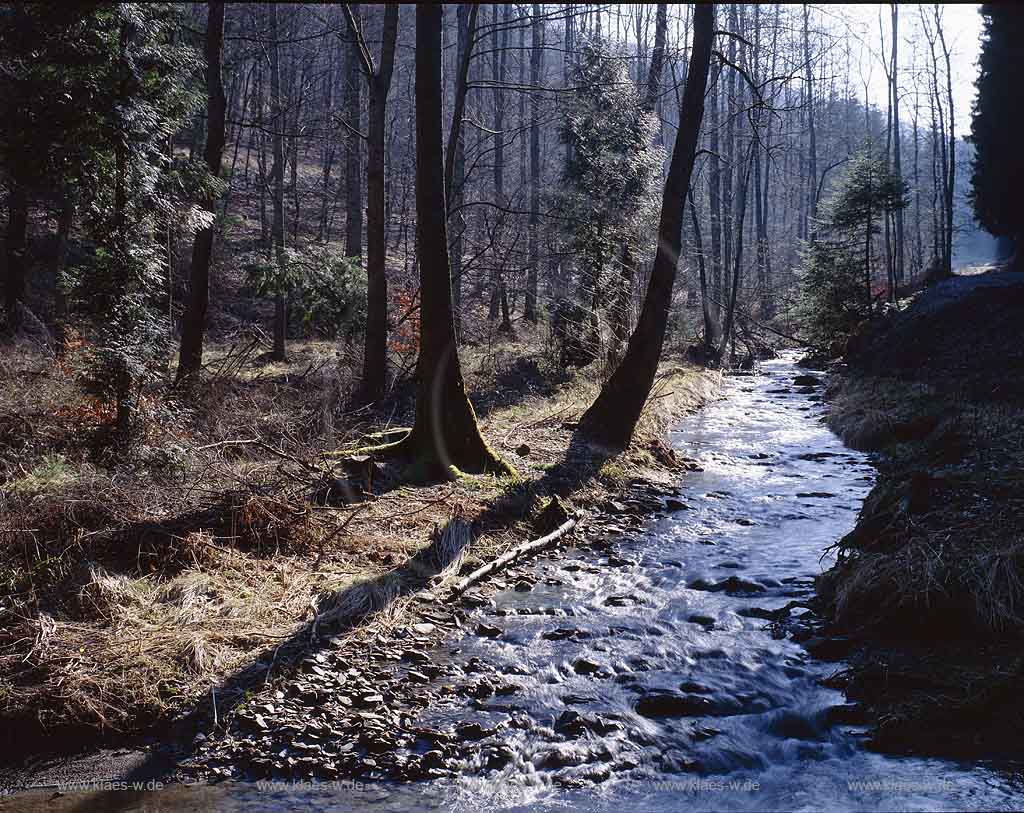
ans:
(927, 596)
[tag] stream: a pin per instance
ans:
(648, 676)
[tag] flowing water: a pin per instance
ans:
(644, 678)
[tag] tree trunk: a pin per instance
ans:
(499, 295)
(741, 206)
(277, 179)
(612, 418)
(455, 156)
(375, 349)
(698, 245)
(353, 146)
(194, 320)
(897, 161)
(536, 55)
(657, 58)
(445, 435)
(122, 375)
(715, 207)
(950, 186)
(812, 138)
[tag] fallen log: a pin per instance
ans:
(510, 556)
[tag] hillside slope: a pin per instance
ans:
(929, 586)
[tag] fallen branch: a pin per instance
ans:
(512, 555)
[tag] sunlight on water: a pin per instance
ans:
(682, 696)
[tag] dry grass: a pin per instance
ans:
(132, 585)
(940, 543)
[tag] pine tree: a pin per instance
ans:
(838, 265)
(128, 184)
(998, 161)
(607, 196)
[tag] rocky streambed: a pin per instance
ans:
(664, 657)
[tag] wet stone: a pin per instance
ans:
(474, 731)
(565, 634)
(574, 724)
(585, 666)
(668, 704)
(731, 585)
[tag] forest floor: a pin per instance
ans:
(928, 593)
(144, 589)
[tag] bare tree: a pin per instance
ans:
(612, 418)
(445, 434)
(194, 319)
(277, 122)
(378, 79)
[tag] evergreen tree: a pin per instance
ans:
(998, 162)
(838, 267)
(607, 198)
(128, 184)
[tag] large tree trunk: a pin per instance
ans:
(353, 147)
(536, 55)
(280, 352)
(445, 435)
(194, 321)
(612, 418)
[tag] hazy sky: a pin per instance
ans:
(962, 27)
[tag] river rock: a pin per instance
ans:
(668, 704)
(574, 724)
(564, 634)
(415, 656)
(806, 381)
(474, 732)
(731, 585)
(585, 666)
